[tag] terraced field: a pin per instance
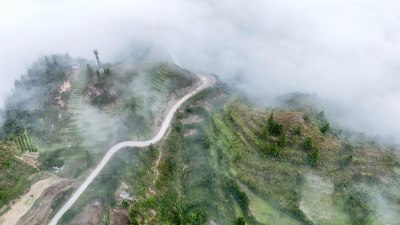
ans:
(142, 97)
(266, 213)
(24, 143)
(279, 174)
(319, 204)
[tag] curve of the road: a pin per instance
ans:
(119, 146)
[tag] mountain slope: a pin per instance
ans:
(223, 161)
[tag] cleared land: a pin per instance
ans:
(25, 202)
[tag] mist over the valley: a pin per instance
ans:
(347, 52)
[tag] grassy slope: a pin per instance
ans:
(279, 175)
(36, 123)
(188, 189)
(157, 83)
(14, 174)
(229, 164)
(216, 167)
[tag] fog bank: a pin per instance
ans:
(346, 51)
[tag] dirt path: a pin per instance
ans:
(31, 162)
(25, 202)
(156, 172)
(156, 168)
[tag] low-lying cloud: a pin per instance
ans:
(346, 51)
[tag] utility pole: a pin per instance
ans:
(96, 53)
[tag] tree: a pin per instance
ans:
(125, 204)
(308, 144)
(314, 156)
(271, 149)
(134, 221)
(270, 121)
(239, 221)
(274, 127)
(297, 130)
(199, 217)
(265, 133)
(325, 128)
(107, 71)
(282, 140)
(348, 146)
(306, 118)
(132, 216)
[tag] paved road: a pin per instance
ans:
(206, 82)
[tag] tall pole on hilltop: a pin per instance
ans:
(96, 53)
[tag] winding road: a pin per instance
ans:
(206, 82)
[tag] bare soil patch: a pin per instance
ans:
(40, 212)
(25, 202)
(119, 216)
(191, 119)
(190, 132)
(31, 158)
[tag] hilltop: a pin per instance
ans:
(224, 160)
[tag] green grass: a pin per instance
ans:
(14, 174)
(74, 160)
(280, 176)
(266, 213)
(199, 174)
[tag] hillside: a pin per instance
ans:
(295, 161)
(15, 176)
(224, 160)
(54, 121)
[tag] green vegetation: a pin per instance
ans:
(300, 148)
(24, 143)
(359, 208)
(59, 201)
(49, 113)
(74, 161)
(239, 221)
(308, 144)
(265, 212)
(223, 160)
(129, 166)
(33, 99)
(14, 174)
(274, 127)
(189, 189)
(314, 157)
(325, 128)
(249, 130)
(132, 98)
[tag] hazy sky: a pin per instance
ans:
(347, 51)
